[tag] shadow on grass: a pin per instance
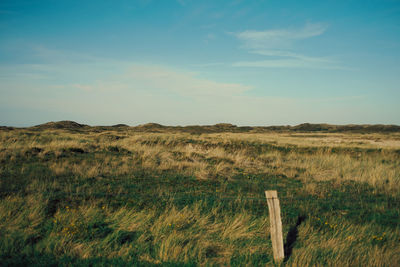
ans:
(292, 237)
(39, 259)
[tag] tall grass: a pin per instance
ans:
(129, 198)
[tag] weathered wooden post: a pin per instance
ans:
(276, 224)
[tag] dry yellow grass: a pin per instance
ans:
(188, 234)
(172, 152)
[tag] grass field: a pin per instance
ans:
(119, 196)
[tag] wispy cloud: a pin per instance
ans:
(136, 93)
(278, 38)
(155, 78)
(277, 48)
(283, 53)
(279, 63)
(286, 59)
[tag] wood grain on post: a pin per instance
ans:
(276, 224)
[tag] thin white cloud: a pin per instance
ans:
(153, 77)
(106, 91)
(286, 59)
(286, 63)
(287, 54)
(159, 79)
(277, 46)
(278, 38)
(144, 93)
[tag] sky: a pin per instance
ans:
(184, 62)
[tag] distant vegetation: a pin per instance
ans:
(72, 194)
(223, 127)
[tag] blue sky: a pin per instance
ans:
(199, 62)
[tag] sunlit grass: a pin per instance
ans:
(125, 197)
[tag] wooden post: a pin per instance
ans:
(276, 224)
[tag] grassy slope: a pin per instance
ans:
(120, 197)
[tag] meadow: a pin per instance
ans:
(150, 196)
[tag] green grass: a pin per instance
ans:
(149, 216)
